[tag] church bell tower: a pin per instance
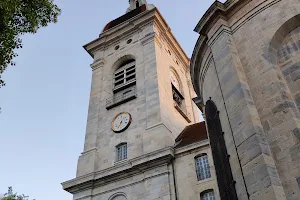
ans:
(140, 100)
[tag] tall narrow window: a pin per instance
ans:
(208, 195)
(125, 75)
(122, 152)
(221, 158)
(202, 167)
(137, 4)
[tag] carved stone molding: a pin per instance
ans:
(97, 64)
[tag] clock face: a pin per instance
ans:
(174, 80)
(121, 122)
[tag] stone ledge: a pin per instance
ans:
(133, 25)
(192, 146)
(121, 171)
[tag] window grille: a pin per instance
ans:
(202, 168)
(209, 195)
(122, 152)
(125, 76)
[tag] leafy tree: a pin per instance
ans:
(18, 17)
(13, 196)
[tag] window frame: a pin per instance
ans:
(208, 192)
(121, 152)
(202, 168)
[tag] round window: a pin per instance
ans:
(129, 41)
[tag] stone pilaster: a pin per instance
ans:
(253, 152)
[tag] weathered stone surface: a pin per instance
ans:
(153, 168)
(297, 133)
(256, 51)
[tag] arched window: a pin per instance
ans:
(208, 195)
(125, 75)
(221, 158)
(202, 167)
(122, 152)
(118, 196)
(177, 93)
(176, 88)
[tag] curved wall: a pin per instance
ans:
(247, 60)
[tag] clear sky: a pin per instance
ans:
(45, 103)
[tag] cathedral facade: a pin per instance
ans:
(143, 138)
(246, 72)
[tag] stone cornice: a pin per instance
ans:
(148, 38)
(216, 11)
(219, 10)
(213, 24)
(120, 170)
(120, 31)
(135, 24)
(196, 62)
(190, 147)
(168, 36)
(97, 64)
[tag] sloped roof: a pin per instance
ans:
(125, 17)
(191, 134)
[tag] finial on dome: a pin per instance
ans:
(133, 4)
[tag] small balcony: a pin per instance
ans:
(121, 97)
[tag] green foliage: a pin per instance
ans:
(18, 17)
(13, 196)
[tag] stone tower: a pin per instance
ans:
(140, 101)
(246, 72)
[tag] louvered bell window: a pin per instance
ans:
(125, 76)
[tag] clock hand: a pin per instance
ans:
(120, 123)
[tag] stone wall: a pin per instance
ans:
(147, 172)
(188, 187)
(151, 184)
(155, 121)
(253, 80)
(289, 62)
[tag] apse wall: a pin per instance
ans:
(247, 61)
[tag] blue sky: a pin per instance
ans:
(45, 102)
